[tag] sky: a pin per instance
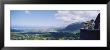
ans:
(39, 18)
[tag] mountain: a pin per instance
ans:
(73, 27)
(70, 27)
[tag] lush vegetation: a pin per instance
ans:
(45, 36)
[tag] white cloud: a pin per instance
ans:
(69, 16)
(27, 11)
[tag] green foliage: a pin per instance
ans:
(44, 36)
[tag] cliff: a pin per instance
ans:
(91, 34)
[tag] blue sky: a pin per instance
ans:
(36, 18)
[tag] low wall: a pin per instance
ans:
(86, 34)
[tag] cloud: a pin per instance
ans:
(27, 11)
(69, 16)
